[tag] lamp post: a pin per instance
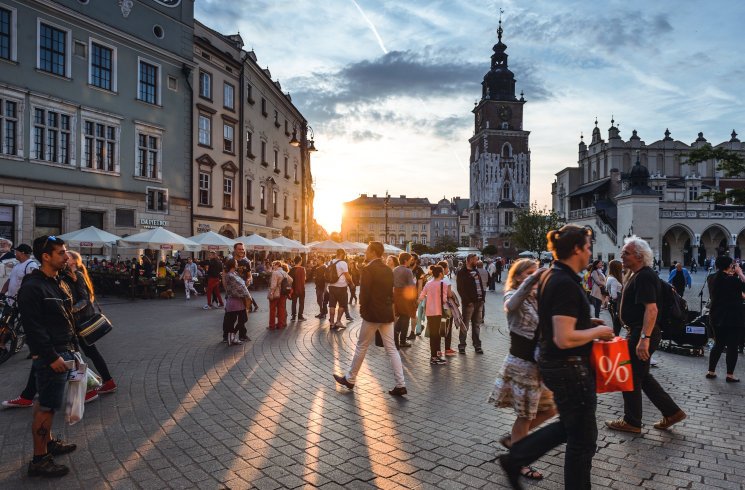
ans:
(386, 201)
(306, 147)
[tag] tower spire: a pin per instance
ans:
(499, 29)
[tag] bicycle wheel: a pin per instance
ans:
(20, 334)
(8, 343)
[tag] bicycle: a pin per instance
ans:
(12, 336)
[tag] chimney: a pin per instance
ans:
(375, 195)
(402, 196)
(363, 195)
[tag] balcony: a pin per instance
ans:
(582, 213)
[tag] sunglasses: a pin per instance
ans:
(50, 238)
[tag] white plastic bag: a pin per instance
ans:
(93, 380)
(76, 388)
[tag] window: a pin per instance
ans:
(284, 208)
(52, 136)
(205, 130)
(53, 50)
(100, 146)
(295, 173)
(148, 164)
(249, 193)
(294, 209)
(249, 145)
(276, 159)
(7, 34)
(276, 118)
(228, 96)
(424, 228)
(263, 154)
(692, 193)
(48, 221)
(102, 69)
(227, 193)
(506, 191)
(7, 222)
(148, 77)
(157, 200)
(506, 244)
(205, 85)
(275, 204)
(227, 135)
(249, 94)
(91, 218)
(204, 189)
(262, 197)
(9, 127)
(287, 173)
(125, 218)
(508, 218)
(424, 240)
(263, 107)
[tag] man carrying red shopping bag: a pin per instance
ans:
(612, 365)
(639, 312)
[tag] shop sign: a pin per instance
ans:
(203, 228)
(153, 223)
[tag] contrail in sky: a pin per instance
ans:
(372, 27)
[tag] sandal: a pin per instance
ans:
(710, 376)
(530, 473)
(732, 380)
(506, 441)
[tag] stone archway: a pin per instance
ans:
(676, 245)
(227, 231)
(714, 242)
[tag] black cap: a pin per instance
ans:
(24, 248)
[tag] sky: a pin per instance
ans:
(388, 86)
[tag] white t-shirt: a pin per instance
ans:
(16, 277)
(341, 268)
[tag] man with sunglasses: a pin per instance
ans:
(45, 304)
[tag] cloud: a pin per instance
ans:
(366, 135)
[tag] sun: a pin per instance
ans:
(327, 210)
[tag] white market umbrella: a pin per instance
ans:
(310, 244)
(353, 247)
(292, 245)
(159, 239)
(391, 249)
(527, 253)
(91, 237)
(258, 243)
(213, 241)
(330, 246)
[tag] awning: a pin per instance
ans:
(589, 188)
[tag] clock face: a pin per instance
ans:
(504, 112)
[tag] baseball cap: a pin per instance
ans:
(24, 248)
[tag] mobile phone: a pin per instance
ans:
(70, 364)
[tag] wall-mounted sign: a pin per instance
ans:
(203, 228)
(169, 3)
(166, 247)
(86, 244)
(152, 223)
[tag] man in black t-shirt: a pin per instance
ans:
(638, 311)
(567, 332)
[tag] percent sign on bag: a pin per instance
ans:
(612, 366)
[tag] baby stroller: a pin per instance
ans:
(691, 338)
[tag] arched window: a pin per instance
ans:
(506, 192)
(506, 150)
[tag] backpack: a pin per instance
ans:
(673, 310)
(332, 275)
(319, 274)
(284, 287)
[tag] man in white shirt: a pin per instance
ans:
(338, 289)
(25, 265)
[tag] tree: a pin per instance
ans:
(490, 250)
(445, 244)
(287, 232)
(731, 163)
(335, 236)
(419, 248)
(531, 225)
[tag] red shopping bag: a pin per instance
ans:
(612, 366)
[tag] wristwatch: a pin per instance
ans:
(644, 336)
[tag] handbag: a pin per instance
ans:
(612, 364)
(447, 315)
(95, 327)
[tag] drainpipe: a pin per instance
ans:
(241, 144)
(186, 71)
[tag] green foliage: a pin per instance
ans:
(419, 248)
(731, 163)
(531, 225)
(335, 236)
(445, 244)
(490, 250)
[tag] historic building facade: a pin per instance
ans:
(408, 220)
(95, 116)
(500, 156)
(446, 221)
(629, 187)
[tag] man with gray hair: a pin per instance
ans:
(638, 312)
(5, 249)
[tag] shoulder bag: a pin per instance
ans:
(95, 327)
(447, 315)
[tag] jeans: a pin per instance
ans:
(367, 334)
(401, 329)
(573, 385)
(433, 328)
(645, 382)
(278, 312)
(724, 337)
(597, 303)
(298, 297)
(473, 315)
(189, 288)
(322, 300)
(613, 310)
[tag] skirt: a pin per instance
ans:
(519, 386)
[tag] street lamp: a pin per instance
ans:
(386, 201)
(307, 146)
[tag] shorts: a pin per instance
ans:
(338, 295)
(50, 385)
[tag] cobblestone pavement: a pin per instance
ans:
(193, 413)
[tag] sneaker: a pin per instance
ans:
(439, 354)
(301, 318)
(437, 360)
(292, 318)
(91, 395)
(398, 391)
(47, 467)
(107, 387)
(668, 422)
(237, 341)
(57, 447)
(479, 350)
(461, 350)
(244, 339)
(622, 426)
(19, 402)
(450, 352)
(342, 380)
(206, 307)
(320, 315)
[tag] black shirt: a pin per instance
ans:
(642, 288)
(726, 300)
(243, 268)
(214, 268)
(561, 294)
